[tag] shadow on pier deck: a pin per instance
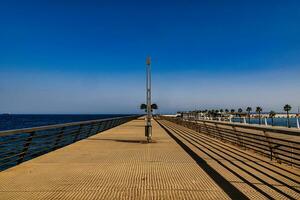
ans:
(179, 164)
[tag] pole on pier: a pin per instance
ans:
(148, 127)
(297, 118)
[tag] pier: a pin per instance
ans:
(180, 163)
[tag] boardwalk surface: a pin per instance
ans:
(179, 164)
(115, 164)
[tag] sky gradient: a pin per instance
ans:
(89, 56)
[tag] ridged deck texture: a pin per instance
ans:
(255, 176)
(115, 164)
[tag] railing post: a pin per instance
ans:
(99, 126)
(120, 121)
(78, 133)
(201, 127)
(26, 147)
(105, 127)
(207, 131)
(214, 131)
(90, 130)
(109, 123)
(198, 127)
(219, 131)
(272, 152)
(239, 140)
(113, 123)
(292, 153)
(59, 137)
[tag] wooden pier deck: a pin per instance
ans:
(119, 164)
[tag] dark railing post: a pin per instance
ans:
(200, 127)
(100, 126)
(214, 131)
(104, 125)
(26, 147)
(90, 130)
(268, 140)
(219, 131)
(119, 122)
(207, 130)
(108, 125)
(59, 137)
(78, 133)
(238, 139)
(113, 123)
(292, 152)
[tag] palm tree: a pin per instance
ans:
(232, 110)
(287, 108)
(272, 115)
(154, 106)
(249, 109)
(221, 110)
(216, 114)
(258, 110)
(240, 114)
(143, 107)
(226, 110)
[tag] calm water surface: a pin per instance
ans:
(277, 121)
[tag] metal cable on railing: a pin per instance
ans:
(281, 144)
(17, 146)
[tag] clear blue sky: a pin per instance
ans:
(89, 56)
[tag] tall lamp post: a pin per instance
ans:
(148, 127)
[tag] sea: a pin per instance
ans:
(18, 121)
(276, 121)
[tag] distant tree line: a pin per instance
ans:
(215, 113)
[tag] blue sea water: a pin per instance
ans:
(276, 121)
(8, 122)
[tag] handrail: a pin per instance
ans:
(277, 129)
(17, 146)
(283, 144)
(40, 128)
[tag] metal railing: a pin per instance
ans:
(281, 144)
(17, 146)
